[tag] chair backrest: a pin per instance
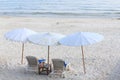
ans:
(58, 64)
(32, 61)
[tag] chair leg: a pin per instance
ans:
(47, 71)
(50, 69)
(39, 70)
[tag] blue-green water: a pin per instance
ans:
(74, 8)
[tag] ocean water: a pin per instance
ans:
(61, 8)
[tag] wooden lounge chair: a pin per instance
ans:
(58, 68)
(32, 63)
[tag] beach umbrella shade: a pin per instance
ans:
(46, 39)
(19, 35)
(81, 39)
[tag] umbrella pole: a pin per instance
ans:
(48, 53)
(22, 53)
(83, 60)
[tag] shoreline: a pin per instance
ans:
(51, 17)
(101, 16)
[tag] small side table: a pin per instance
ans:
(44, 67)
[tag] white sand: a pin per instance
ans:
(102, 59)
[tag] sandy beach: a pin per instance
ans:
(101, 59)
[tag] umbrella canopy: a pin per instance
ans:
(46, 39)
(81, 39)
(19, 35)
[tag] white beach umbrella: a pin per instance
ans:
(46, 39)
(19, 35)
(81, 39)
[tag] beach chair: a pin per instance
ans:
(58, 68)
(32, 63)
